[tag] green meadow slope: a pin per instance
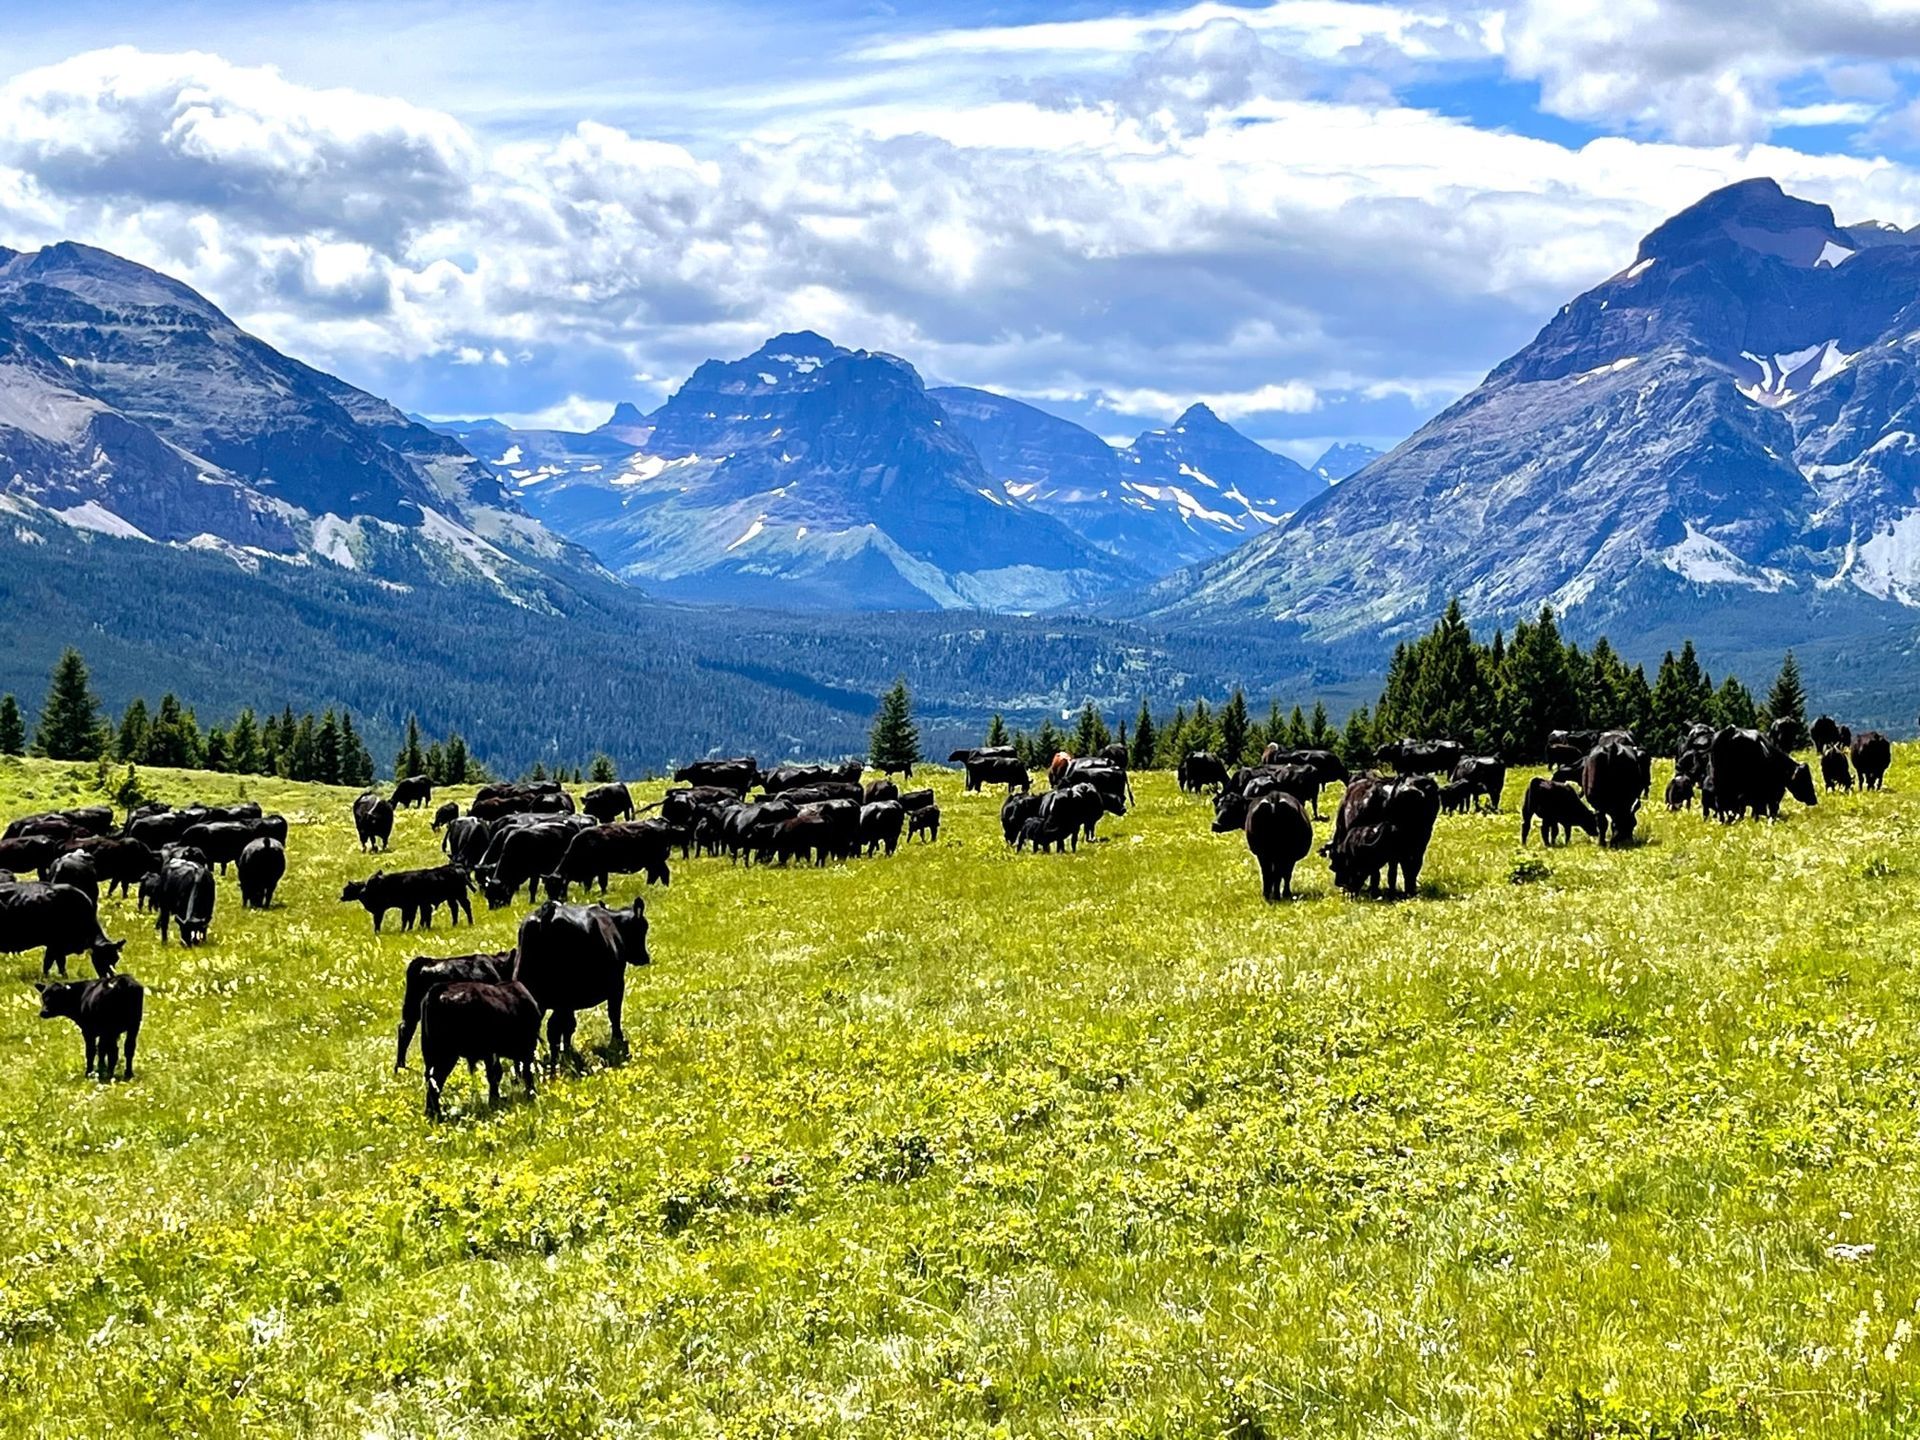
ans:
(969, 1143)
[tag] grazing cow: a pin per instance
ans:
(1456, 797)
(1695, 753)
(911, 800)
(1109, 781)
(537, 797)
(75, 868)
(465, 841)
(822, 832)
(1747, 772)
(1045, 835)
(607, 803)
(1423, 757)
(1199, 770)
(185, 896)
(1485, 777)
(575, 957)
(737, 776)
(1616, 778)
(752, 830)
(984, 768)
(593, 856)
(1835, 770)
(1279, 836)
(791, 777)
(413, 793)
(1385, 825)
(1324, 763)
(924, 822)
(1015, 812)
(108, 1012)
(221, 841)
(1559, 808)
(260, 868)
(120, 863)
(1114, 754)
(525, 854)
(48, 827)
(1787, 734)
(686, 807)
(159, 829)
(1570, 747)
(1872, 754)
(30, 852)
(822, 794)
(373, 821)
(478, 1022)
(878, 790)
(448, 812)
(414, 893)
(87, 819)
(1825, 734)
(426, 972)
(1680, 792)
(880, 824)
(59, 920)
(1078, 807)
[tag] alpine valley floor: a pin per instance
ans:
(969, 1143)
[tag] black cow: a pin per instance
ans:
(791, 777)
(1384, 825)
(826, 792)
(448, 812)
(1324, 763)
(1559, 808)
(260, 868)
(1616, 777)
(875, 791)
(686, 808)
(1825, 734)
(477, 1022)
(412, 793)
(1570, 747)
(752, 830)
(1872, 754)
(1747, 772)
(1279, 836)
(1078, 808)
(1046, 835)
(373, 821)
(1456, 797)
(1199, 770)
(924, 821)
(1485, 777)
(1015, 812)
(881, 824)
(30, 852)
(59, 920)
(911, 800)
(525, 854)
(1110, 781)
(185, 897)
(1008, 770)
(738, 776)
(575, 957)
(48, 827)
(87, 819)
(824, 832)
(221, 841)
(1409, 756)
(1680, 792)
(1835, 770)
(592, 856)
(536, 797)
(75, 868)
(108, 1012)
(425, 972)
(1787, 734)
(609, 802)
(414, 893)
(465, 841)
(1695, 753)
(119, 862)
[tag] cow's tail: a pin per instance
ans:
(1526, 819)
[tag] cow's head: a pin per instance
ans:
(1800, 785)
(632, 925)
(60, 999)
(105, 955)
(357, 889)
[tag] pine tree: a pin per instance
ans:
(13, 728)
(1733, 705)
(601, 772)
(136, 723)
(1047, 743)
(1682, 697)
(1140, 756)
(1319, 728)
(1090, 733)
(356, 764)
(1201, 732)
(460, 766)
(1170, 748)
(326, 750)
(894, 746)
(539, 771)
(436, 764)
(412, 760)
(70, 727)
(219, 757)
(1235, 730)
(1787, 700)
(1297, 729)
(173, 738)
(1538, 694)
(1356, 740)
(243, 744)
(997, 732)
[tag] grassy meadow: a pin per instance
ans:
(969, 1143)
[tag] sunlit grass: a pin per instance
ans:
(967, 1142)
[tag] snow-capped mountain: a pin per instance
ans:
(1347, 458)
(805, 475)
(1175, 496)
(1727, 425)
(131, 406)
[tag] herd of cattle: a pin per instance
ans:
(486, 1008)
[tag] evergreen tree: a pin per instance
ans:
(70, 727)
(1636, 704)
(218, 755)
(1141, 755)
(1201, 732)
(130, 743)
(1319, 729)
(1356, 740)
(895, 742)
(539, 771)
(243, 744)
(1297, 729)
(997, 732)
(327, 766)
(356, 763)
(1274, 731)
(436, 764)
(460, 765)
(1537, 691)
(1682, 696)
(1787, 700)
(1234, 729)
(1171, 747)
(412, 760)
(173, 738)
(13, 727)
(601, 772)
(300, 757)
(1733, 705)
(1090, 733)
(1047, 743)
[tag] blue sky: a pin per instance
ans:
(1328, 219)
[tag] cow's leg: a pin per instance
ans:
(436, 1081)
(378, 916)
(93, 1051)
(493, 1080)
(616, 1002)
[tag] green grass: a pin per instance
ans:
(968, 1143)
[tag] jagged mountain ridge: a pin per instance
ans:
(132, 406)
(1729, 420)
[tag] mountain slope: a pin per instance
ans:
(1175, 496)
(813, 476)
(1727, 424)
(1340, 461)
(131, 405)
